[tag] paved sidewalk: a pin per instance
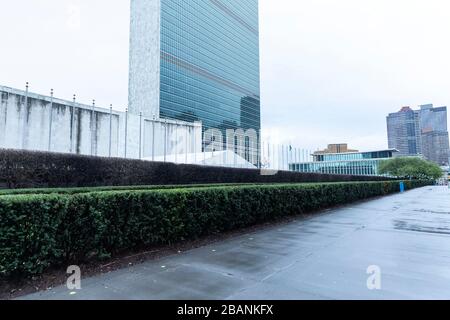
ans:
(325, 257)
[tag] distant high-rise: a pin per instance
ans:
(404, 132)
(435, 146)
(196, 60)
(420, 132)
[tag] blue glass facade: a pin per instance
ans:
(210, 63)
(353, 156)
(356, 167)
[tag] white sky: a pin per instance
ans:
(330, 70)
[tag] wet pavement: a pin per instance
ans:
(406, 236)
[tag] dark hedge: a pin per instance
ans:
(27, 169)
(50, 230)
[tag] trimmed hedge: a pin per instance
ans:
(27, 169)
(50, 230)
(72, 191)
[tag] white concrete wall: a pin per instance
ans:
(76, 128)
(145, 57)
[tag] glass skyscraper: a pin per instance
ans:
(404, 132)
(196, 60)
(435, 140)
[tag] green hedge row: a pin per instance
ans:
(72, 191)
(50, 230)
(27, 169)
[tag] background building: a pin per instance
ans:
(345, 162)
(335, 148)
(420, 132)
(196, 61)
(404, 132)
(434, 134)
(435, 147)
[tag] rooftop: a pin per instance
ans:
(357, 152)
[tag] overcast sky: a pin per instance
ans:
(330, 70)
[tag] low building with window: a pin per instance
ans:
(445, 180)
(349, 163)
